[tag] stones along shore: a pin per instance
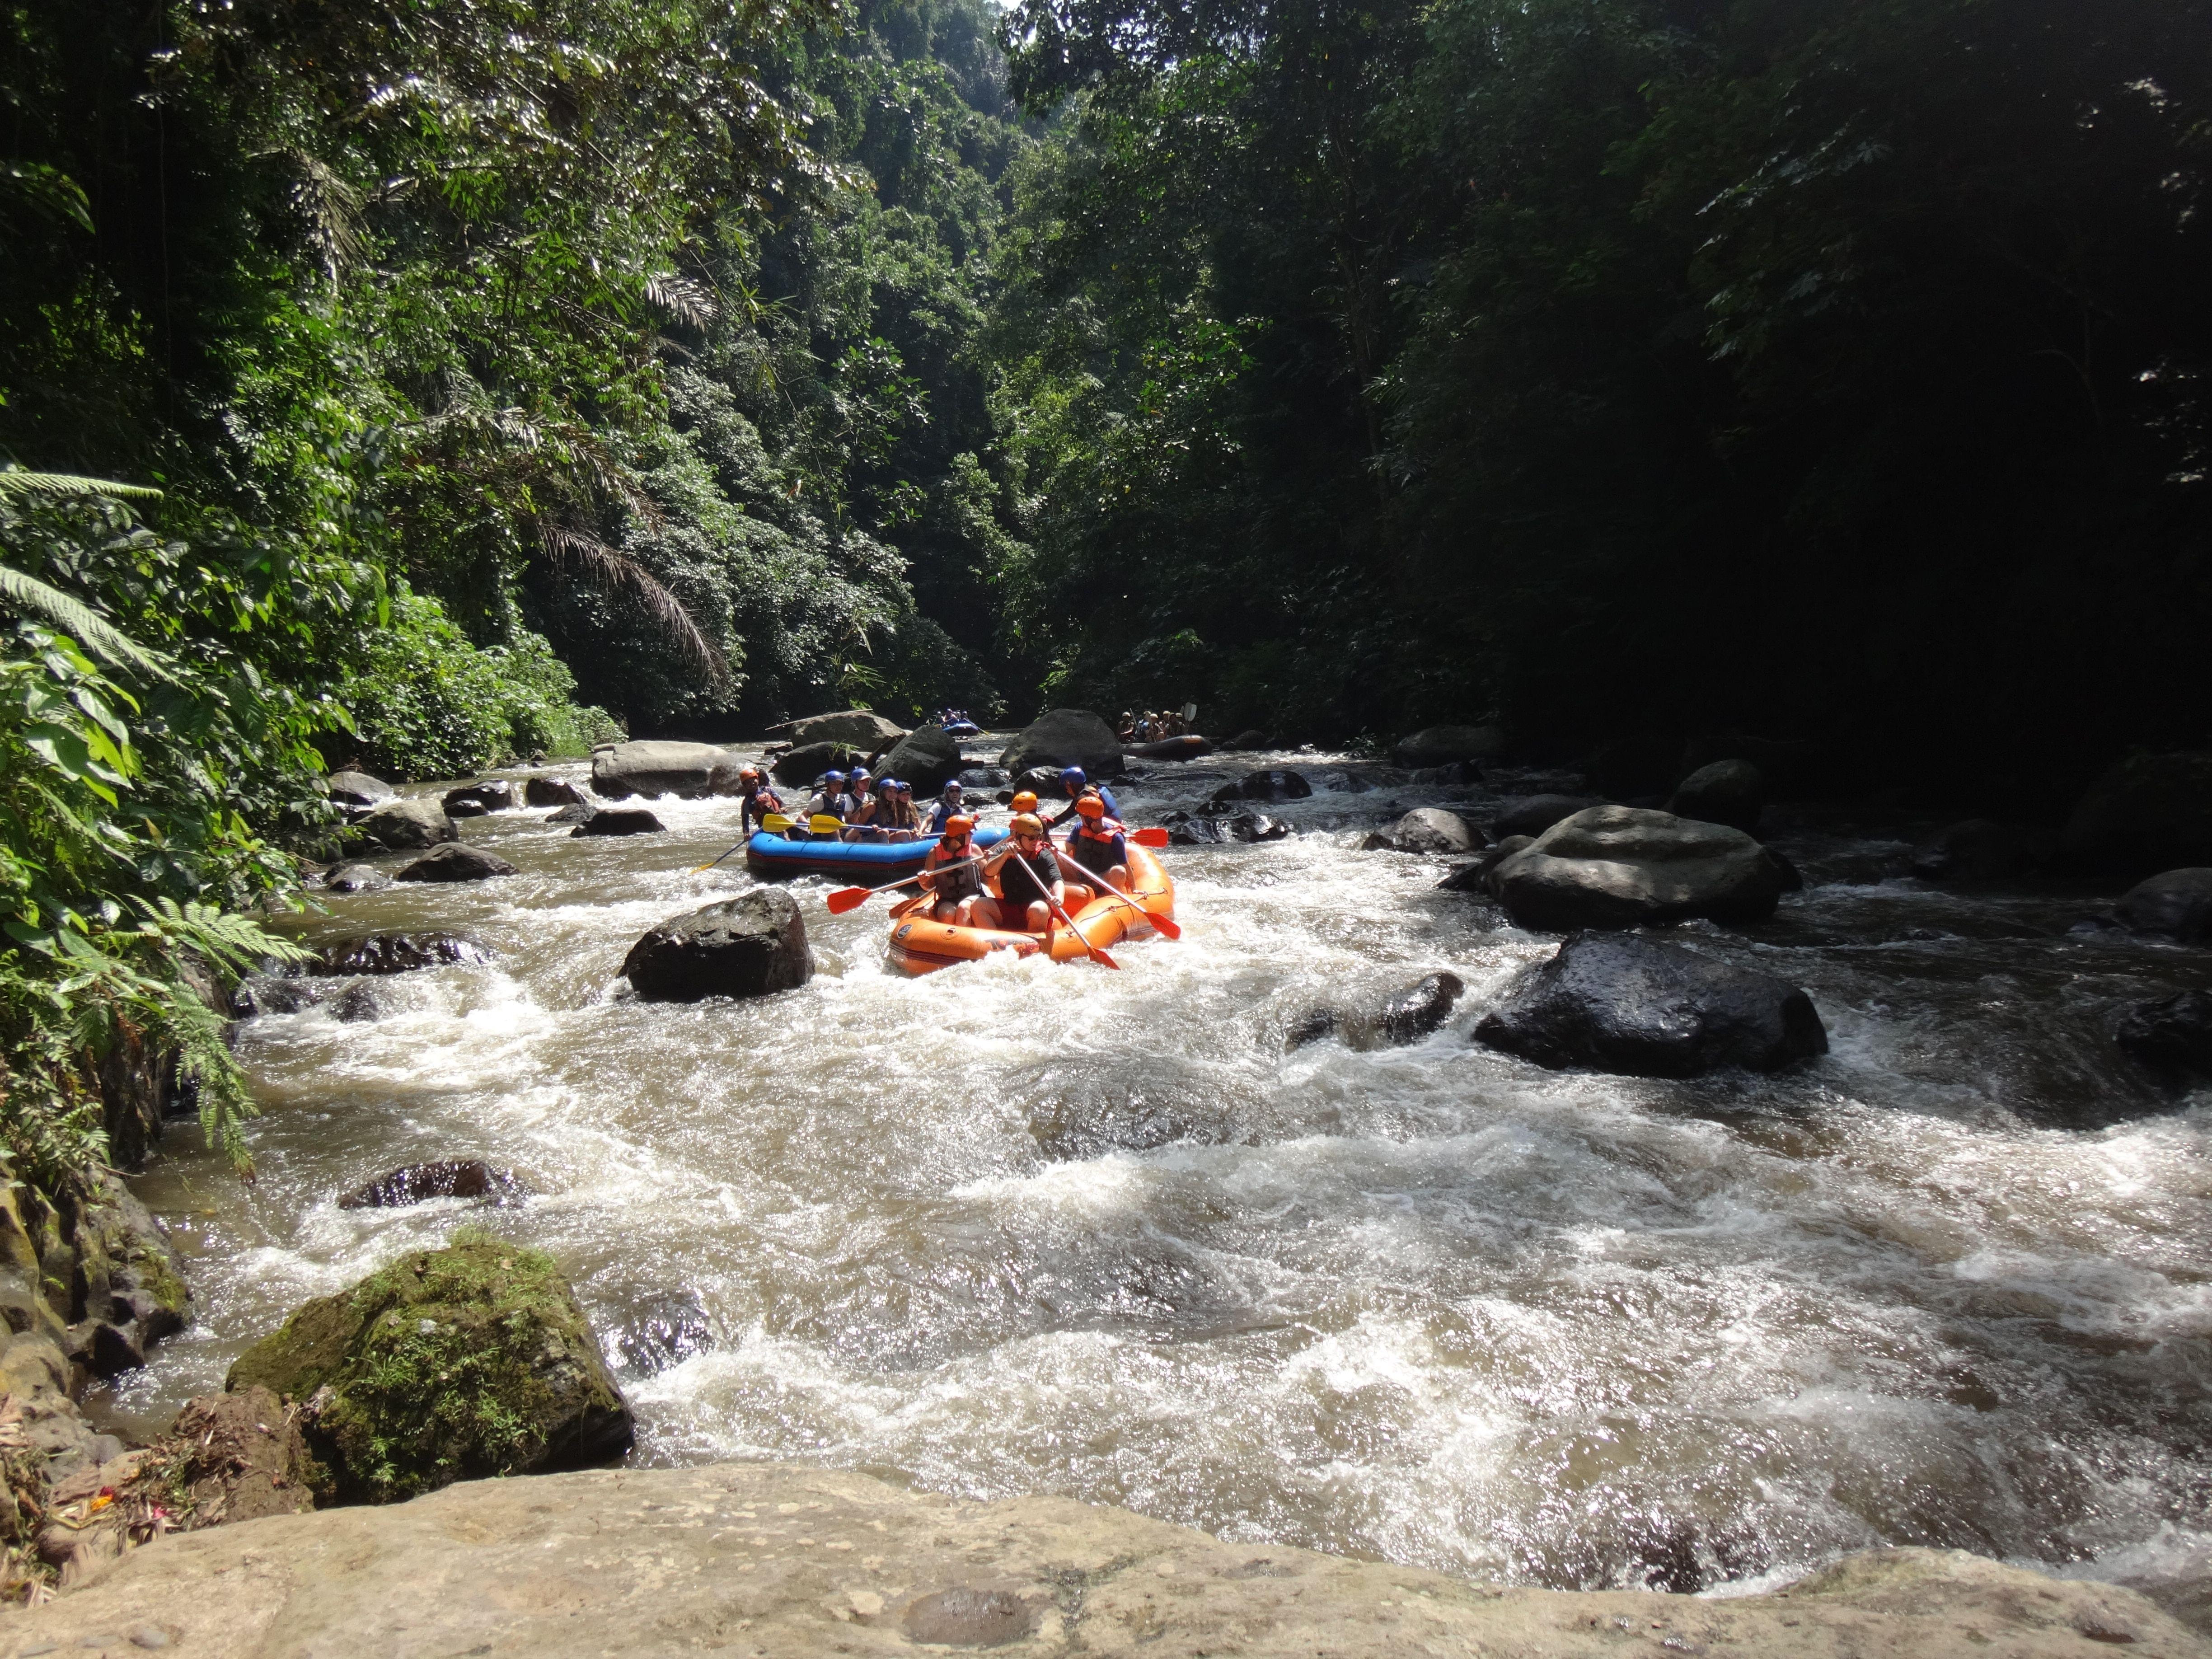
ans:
(767, 1560)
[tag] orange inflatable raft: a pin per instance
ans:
(921, 946)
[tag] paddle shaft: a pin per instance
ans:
(867, 893)
(1054, 904)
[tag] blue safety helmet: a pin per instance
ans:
(1073, 776)
(833, 777)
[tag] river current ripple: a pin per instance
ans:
(1019, 1228)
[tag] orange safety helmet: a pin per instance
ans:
(1092, 807)
(958, 825)
(1026, 823)
(745, 772)
(1026, 801)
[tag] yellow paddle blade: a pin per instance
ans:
(823, 824)
(776, 823)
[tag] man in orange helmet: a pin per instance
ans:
(1100, 846)
(1032, 874)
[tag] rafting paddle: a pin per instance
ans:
(1097, 954)
(851, 898)
(776, 823)
(1149, 837)
(1165, 926)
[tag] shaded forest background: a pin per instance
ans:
(430, 382)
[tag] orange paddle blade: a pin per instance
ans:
(848, 898)
(1149, 837)
(1165, 926)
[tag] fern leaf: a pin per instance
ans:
(73, 617)
(612, 570)
(16, 482)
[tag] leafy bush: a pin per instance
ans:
(427, 703)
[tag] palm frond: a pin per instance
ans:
(616, 571)
(74, 617)
(686, 301)
(16, 482)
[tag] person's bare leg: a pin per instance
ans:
(979, 913)
(1040, 916)
(1119, 876)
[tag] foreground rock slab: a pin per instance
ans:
(692, 770)
(771, 1560)
(752, 945)
(1627, 866)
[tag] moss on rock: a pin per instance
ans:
(446, 1365)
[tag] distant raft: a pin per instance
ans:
(921, 946)
(859, 863)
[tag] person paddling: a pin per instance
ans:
(1099, 845)
(1032, 876)
(759, 801)
(950, 877)
(1077, 786)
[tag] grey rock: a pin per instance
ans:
(356, 878)
(1532, 815)
(404, 825)
(619, 821)
(1256, 826)
(981, 777)
(2175, 905)
(1432, 830)
(2149, 813)
(1246, 740)
(2170, 1034)
(522, 1567)
(1066, 736)
(1788, 765)
(668, 1335)
(1440, 745)
(926, 758)
(1194, 832)
(801, 766)
(1729, 792)
(475, 799)
(551, 791)
(858, 728)
(575, 812)
(690, 771)
(359, 789)
(1274, 783)
(457, 862)
(1420, 1009)
(1620, 1003)
(417, 1183)
(1626, 866)
(752, 945)
(397, 953)
(1982, 849)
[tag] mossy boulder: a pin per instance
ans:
(446, 1365)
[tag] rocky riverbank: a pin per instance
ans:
(771, 1559)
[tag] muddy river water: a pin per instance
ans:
(1019, 1228)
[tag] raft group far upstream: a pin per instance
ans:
(1421, 1203)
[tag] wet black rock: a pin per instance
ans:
(397, 953)
(1620, 1003)
(463, 803)
(1432, 830)
(1441, 745)
(456, 862)
(2170, 1034)
(2149, 813)
(1452, 775)
(1312, 1026)
(1064, 737)
(1532, 815)
(415, 1183)
(2176, 905)
(1789, 765)
(926, 758)
(475, 799)
(666, 1336)
(1275, 783)
(550, 792)
(1195, 832)
(981, 777)
(1420, 1009)
(1256, 826)
(358, 1002)
(1042, 781)
(752, 945)
(1982, 849)
(1623, 866)
(359, 789)
(575, 812)
(1729, 792)
(356, 878)
(1245, 741)
(619, 821)
(802, 765)
(404, 825)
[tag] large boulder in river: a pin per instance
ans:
(404, 825)
(359, 789)
(475, 799)
(1981, 849)
(2149, 814)
(1731, 791)
(2176, 905)
(752, 945)
(926, 758)
(619, 821)
(1066, 736)
(2172, 1034)
(446, 1365)
(551, 791)
(1273, 783)
(456, 862)
(1532, 815)
(1627, 866)
(1430, 830)
(396, 953)
(690, 770)
(1440, 745)
(1621, 1003)
(803, 765)
(418, 1183)
(858, 728)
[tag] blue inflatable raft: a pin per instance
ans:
(857, 863)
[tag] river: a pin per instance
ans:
(1019, 1228)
